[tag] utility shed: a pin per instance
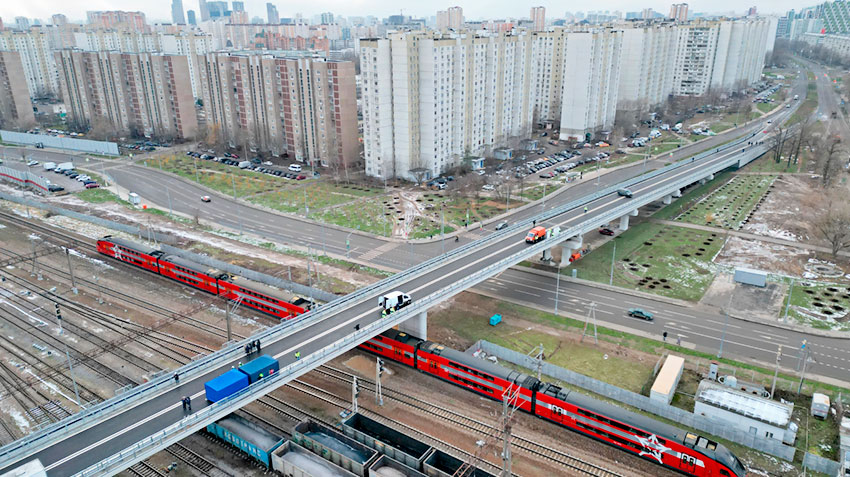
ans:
(665, 383)
(749, 413)
(751, 277)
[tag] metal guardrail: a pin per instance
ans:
(34, 442)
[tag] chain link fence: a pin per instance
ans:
(687, 419)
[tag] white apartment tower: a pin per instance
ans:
(451, 19)
(679, 12)
(647, 60)
(538, 18)
(430, 100)
(590, 81)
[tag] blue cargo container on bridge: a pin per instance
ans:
(263, 366)
(228, 383)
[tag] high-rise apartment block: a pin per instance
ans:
(118, 19)
(305, 107)
(177, 15)
(720, 55)
(272, 15)
(451, 19)
(15, 104)
(538, 18)
(835, 15)
(190, 17)
(431, 100)
(143, 93)
(646, 66)
(39, 66)
(679, 12)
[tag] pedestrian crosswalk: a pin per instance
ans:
(377, 251)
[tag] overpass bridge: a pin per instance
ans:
(117, 433)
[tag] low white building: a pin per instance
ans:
(667, 380)
(749, 413)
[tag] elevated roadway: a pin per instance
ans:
(150, 417)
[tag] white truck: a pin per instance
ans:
(244, 164)
(65, 166)
(394, 300)
(49, 166)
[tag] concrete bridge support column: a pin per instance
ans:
(624, 220)
(678, 193)
(416, 326)
(568, 247)
(710, 177)
(667, 200)
(547, 255)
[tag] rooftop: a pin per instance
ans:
(745, 404)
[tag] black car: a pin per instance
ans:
(55, 188)
(501, 225)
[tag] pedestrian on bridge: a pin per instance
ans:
(183, 402)
(258, 345)
(664, 336)
(176, 378)
(679, 340)
(585, 209)
(189, 403)
(297, 355)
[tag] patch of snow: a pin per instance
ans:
(20, 421)
(95, 261)
(764, 229)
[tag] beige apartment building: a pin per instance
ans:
(34, 47)
(139, 93)
(15, 104)
(305, 107)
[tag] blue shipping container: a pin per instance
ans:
(225, 385)
(265, 365)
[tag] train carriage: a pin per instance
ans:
(395, 345)
(480, 376)
(260, 297)
(190, 273)
(130, 252)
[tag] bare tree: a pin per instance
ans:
(803, 137)
(829, 161)
(419, 173)
(833, 224)
(777, 143)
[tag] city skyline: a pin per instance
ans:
(475, 9)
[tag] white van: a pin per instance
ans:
(49, 166)
(294, 168)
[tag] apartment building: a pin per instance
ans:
(590, 81)
(835, 15)
(837, 44)
(117, 19)
(15, 104)
(679, 12)
(451, 19)
(538, 18)
(138, 93)
(647, 60)
(36, 57)
(720, 55)
(305, 107)
(429, 99)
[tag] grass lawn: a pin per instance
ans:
(766, 163)
(819, 305)
(720, 127)
(537, 192)
(99, 196)
(691, 196)
(315, 195)
(730, 204)
(219, 177)
(366, 215)
(765, 107)
(669, 261)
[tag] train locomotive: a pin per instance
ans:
(657, 442)
(256, 295)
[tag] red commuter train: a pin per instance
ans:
(253, 294)
(655, 441)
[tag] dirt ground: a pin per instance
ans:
(764, 303)
(786, 212)
(780, 259)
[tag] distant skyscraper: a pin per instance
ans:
(752, 11)
(204, 10)
(177, 16)
(450, 19)
(238, 6)
(216, 10)
(327, 18)
(272, 14)
(22, 23)
(190, 17)
(647, 14)
(59, 19)
(679, 12)
(538, 18)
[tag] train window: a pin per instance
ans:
(690, 439)
(724, 472)
(702, 442)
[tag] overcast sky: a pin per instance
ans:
(472, 9)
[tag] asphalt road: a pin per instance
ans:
(106, 437)
(700, 327)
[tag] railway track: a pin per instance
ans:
(143, 469)
(194, 460)
(539, 450)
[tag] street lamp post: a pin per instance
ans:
(613, 255)
(788, 303)
(557, 287)
(348, 245)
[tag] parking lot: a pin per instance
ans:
(59, 182)
(293, 171)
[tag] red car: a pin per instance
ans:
(606, 231)
(300, 178)
(92, 186)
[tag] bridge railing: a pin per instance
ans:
(32, 443)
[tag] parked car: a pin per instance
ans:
(606, 231)
(55, 188)
(295, 167)
(32, 163)
(487, 187)
(640, 313)
(205, 198)
(92, 185)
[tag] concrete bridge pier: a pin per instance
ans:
(416, 326)
(668, 199)
(569, 247)
(624, 220)
(547, 255)
(678, 192)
